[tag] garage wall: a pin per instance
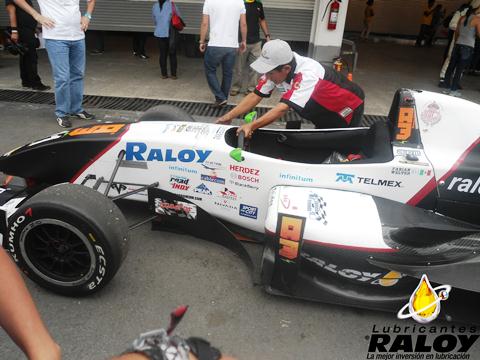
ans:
(290, 20)
(394, 16)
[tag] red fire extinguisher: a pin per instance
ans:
(333, 16)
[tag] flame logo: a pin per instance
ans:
(424, 304)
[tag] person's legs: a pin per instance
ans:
(228, 61)
(238, 70)
(452, 65)
(446, 63)
(58, 54)
(421, 35)
(77, 72)
(212, 59)
(163, 47)
(172, 53)
(255, 52)
(31, 58)
(465, 56)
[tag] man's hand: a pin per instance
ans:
(223, 120)
(243, 47)
(247, 129)
(84, 22)
(14, 37)
(45, 21)
(202, 47)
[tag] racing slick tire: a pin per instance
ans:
(69, 239)
(166, 113)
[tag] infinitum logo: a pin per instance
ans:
(291, 177)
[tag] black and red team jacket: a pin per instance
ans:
(316, 92)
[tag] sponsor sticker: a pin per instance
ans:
(111, 129)
(141, 152)
(248, 211)
(179, 183)
(213, 179)
(464, 185)
(431, 114)
(203, 189)
(317, 208)
(176, 208)
(406, 123)
(295, 177)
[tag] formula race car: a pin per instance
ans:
(401, 199)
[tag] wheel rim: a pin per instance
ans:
(57, 252)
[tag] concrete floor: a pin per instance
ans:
(382, 68)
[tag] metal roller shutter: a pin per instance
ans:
(288, 20)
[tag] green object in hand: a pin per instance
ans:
(250, 117)
(236, 154)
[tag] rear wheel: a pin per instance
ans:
(69, 239)
(166, 113)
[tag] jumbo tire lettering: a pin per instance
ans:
(11, 236)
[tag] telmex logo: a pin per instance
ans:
(140, 152)
(346, 178)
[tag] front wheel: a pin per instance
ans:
(69, 239)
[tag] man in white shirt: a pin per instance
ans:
(223, 17)
(64, 29)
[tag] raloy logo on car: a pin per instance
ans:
(464, 185)
(248, 211)
(179, 183)
(138, 151)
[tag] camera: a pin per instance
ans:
(14, 48)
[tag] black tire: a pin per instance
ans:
(69, 239)
(166, 113)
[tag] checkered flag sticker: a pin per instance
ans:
(317, 208)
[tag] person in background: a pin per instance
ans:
(19, 316)
(426, 23)
(138, 44)
(242, 71)
(367, 20)
(63, 29)
(223, 17)
(452, 27)
(467, 29)
(437, 17)
(23, 27)
(166, 36)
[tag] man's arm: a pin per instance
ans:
(44, 21)
(19, 316)
(203, 32)
(247, 104)
(243, 32)
(85, 20)
(13, 22)
(264, 26)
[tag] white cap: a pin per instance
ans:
(274, 53)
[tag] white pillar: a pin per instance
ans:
(325, 44)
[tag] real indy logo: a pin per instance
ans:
(179, 183)
(137, 151)
(176, 208)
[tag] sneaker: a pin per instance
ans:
(84, 115)
(143, 56)
(219, 104)
(248, 91)
(455, 93)
(174, 77)
(446, 91)
(442, 84)
(63, 121)
(41, 87)
(234, 92)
